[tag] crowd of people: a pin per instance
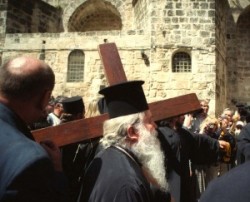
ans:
(188, 158)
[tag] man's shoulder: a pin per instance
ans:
(15, 144)
(17, 153)
(19, 146)
(116, 163)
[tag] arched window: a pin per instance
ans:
(181, 62)
(75, 66)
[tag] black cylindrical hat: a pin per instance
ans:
(73, 105)
(125, 98)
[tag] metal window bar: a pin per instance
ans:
(75, 66)
(181, 62)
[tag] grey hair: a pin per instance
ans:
(115, 130)
(228, 109)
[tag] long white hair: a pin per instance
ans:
(115, 130)
(147, 149)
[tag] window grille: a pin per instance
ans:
(181, 62)
(75, 66)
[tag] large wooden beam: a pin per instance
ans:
(77, 131)
(112, 63)
(72, 132)
(175, 106)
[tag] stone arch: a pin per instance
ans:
(237, 7)
(243, 15)
(238, 3)
(79, 16)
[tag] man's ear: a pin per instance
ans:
(44, 99)
(132, 134)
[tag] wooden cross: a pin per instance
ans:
(79, 130)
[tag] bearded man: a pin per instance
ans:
(130, 166)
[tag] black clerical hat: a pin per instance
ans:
(125, 98)
(73, 105)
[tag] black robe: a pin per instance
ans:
(181, 146)
(243, 145)
(116, 176)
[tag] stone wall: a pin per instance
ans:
(222, 9)
(243, 57)
(231, 58)
(238, 52)
(143, 14)
(187, 26)
(58, 46)
(155, 29)
(3, 17)
(28, 16)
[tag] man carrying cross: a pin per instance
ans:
(131, 165)
(28, 171)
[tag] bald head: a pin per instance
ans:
(24, 77)
(24, 65)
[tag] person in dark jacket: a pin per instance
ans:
(131, 166)
(86, 149)
(29, 171)
(181, 147)
(74, 109)
(243, 145)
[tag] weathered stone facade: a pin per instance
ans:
(215, 33)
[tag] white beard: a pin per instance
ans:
(149, 153)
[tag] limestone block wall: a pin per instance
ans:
(163, 28)
(187, 26)
(143, 14)
(157, 29)
(58, 47)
